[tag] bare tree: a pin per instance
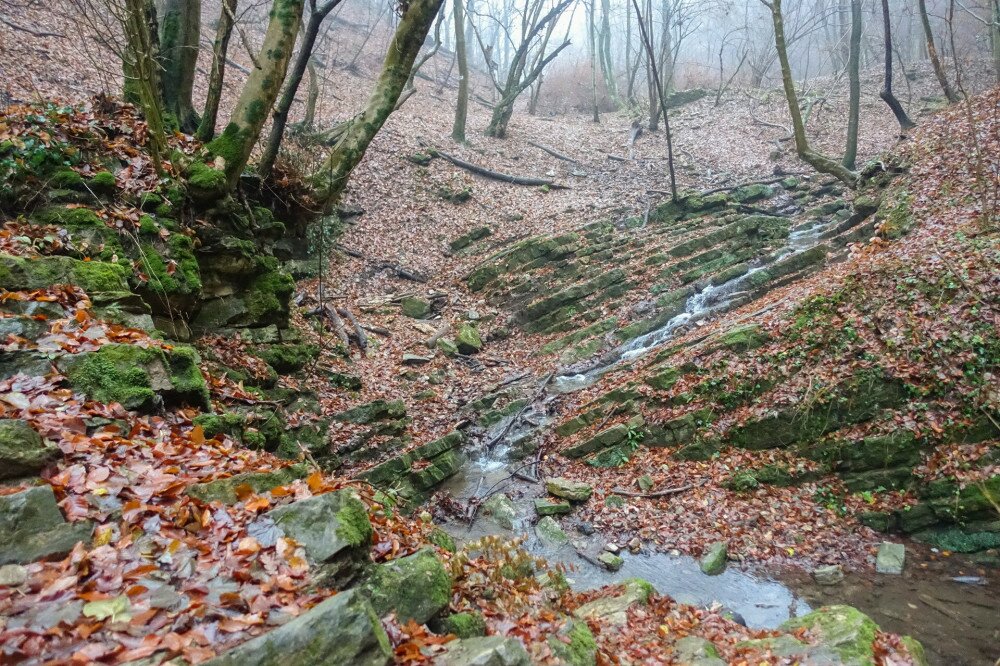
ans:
(942, 77)
(462, 107)
(180, 32)
(519, 76)
(357, 133)
(854, 78)
(310, 32)
(648, 44)
(886, 93)
(815, 159)
(220, 47)
(236, 142)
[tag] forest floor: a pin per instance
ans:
(408, 223)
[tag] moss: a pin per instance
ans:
(116, 373)
(417, 587)
(289, 358)
(353, 524)
(464, 625)
(103, 182)
(21, 274)
(581, 650)
(442, 540)
(268, 296)
(206, 184)
(896, 215)
(181, 278)
(227, 423)
(469, 238)
(70, 217)
(185, 376)
(846, 631)
(66, 179)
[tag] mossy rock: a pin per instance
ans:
(138, 378)
(22, 449)
(467, 340)
(66, 179)
(841, 632)
(377, 410)
(103, 182)
(415, 308)
(742, 338)
(289, 358)
(464, 625)
(416, 587)
(575, 644)
(206, 184)
(268, 299)
(228, 490)
(467, 239)
(24, 274)
(896, 215)
(33, 528)
(751, 193)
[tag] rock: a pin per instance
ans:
(26, 274)
(333, 528)
(634, 545)
(713, 562)
(467, 239)
(416, 359)
(585, 528)
(613, 609)
(467, 340)
(415, 308)
(575, 491)
(32, 527)
(464, 625)
(549, 532)
(696, 651)
(890, 558)
(344, 629)
(411, 485)
(828, 575)
(416, 587)
(645, 483)
(13, 575)
(22, 450)
(502, 510)
(610, 561)
(377, 410)
(844, 635)
(225, 490)
(447, 347)
(484, 651)
(544, 507)
(574, 644)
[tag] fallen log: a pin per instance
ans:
(377, 330)
(553, 153)
(359, 332)
(502, 177)
(657, 493)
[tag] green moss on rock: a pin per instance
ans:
(24, 274)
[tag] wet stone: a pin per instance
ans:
(610, 561)
(484, 651)
(714, 561)
(549, 532)
(574, 491)
(545, 507)
(828, 575)
(890, 558)
(502, 511)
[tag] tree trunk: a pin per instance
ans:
(818, 161)
(995, 39)
(142, 72)
(220, 47)
(942, 77)
(281, 109)
(312, 97)
(886, 93)
(591, 31)
(607, 64)
(647, 42)
(406, 43)
(180, 32)
(854, 78)
(462, 107)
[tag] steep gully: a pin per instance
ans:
(934, 601)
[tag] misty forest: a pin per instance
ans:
(500, 332)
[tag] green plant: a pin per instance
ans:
(828, 497)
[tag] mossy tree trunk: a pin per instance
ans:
(236, 142)
(462, 108)
(280, 116)
(140, 61)
(886, 93)
(519, 76)
(180, 30)
(220, 47)
(932, 53)
(350, 148)
(814, 159)
(854, 86)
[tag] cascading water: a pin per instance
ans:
(709, 300)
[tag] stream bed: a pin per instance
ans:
(948, 603)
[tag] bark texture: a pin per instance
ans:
(220, 47)
(886, 93)
(814, 159)
(413, 27)
(462, 107)
(932, 53)
(180, 31)
(236, 142)
(854, 85)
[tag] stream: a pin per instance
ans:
(948, 604)
(709, 300)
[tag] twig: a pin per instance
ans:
(510, 424)
(553, 153)
(34, 33)
(358, 330)
(496, 175)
